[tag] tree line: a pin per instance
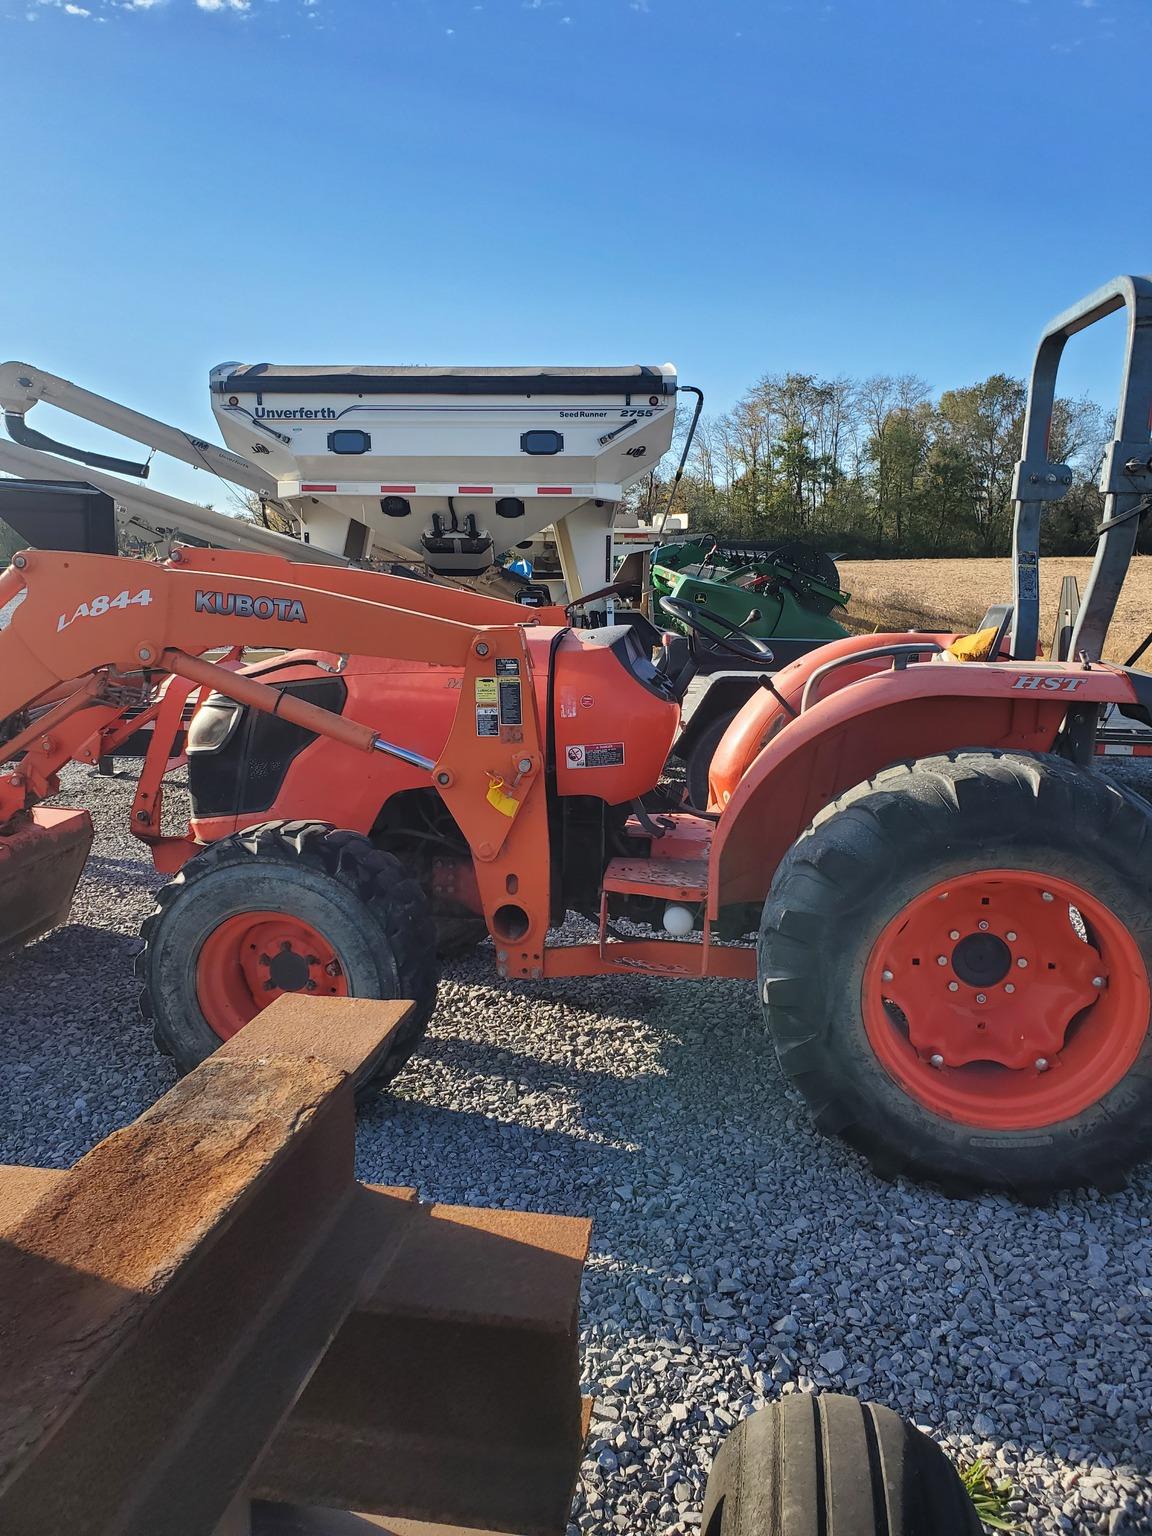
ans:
(880, 467)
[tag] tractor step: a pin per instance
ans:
(685, 836)
(668, 879)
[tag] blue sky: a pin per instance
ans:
(739, 186)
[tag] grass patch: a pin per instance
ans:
(989, 1495)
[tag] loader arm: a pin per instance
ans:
(82, 613)
(22, 387)
(113, 626)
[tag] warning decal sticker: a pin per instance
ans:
(510, 710)
(598, 754)
(487, 707)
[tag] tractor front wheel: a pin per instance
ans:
(954, 963)
(284, 907)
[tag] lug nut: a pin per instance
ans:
(1041, 1063)
(1047, 895)
(1010, 936)
(1097, 981)
(936, 1060)
(982, 925)
(981, 997)
(1009, 986)
(953, 986)
(1022, 963)
(955, 934)
(941, 959)
(886, 976)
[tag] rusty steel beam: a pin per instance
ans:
(164, 1303)
(452, 1394)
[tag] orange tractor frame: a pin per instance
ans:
(954, 912)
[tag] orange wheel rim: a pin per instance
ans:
(250, 960)
(1006, 999)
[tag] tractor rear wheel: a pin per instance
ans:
(296, 906)
(827, 1465)
(954, 962)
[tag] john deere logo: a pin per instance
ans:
(239, 605)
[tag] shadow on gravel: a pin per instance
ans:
(78, 1061)
(465, 1147)
(122, 872)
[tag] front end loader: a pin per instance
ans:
(946, 912)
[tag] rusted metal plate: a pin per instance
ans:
(20, 1188)
(161, 1305)
(351, 1033)
(452, 1394)
(42, 857)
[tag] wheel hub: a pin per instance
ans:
(254, 957)
(1005, 998)
(982, 960)
(287, 970)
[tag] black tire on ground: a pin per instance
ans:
(864, 858)
(831, 1466)
(699, 760)
(362, 900)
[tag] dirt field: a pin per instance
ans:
(923, 594)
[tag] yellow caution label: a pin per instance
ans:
(487, 690)
(505, 804)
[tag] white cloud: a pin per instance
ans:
(76, 10)
(223, 5)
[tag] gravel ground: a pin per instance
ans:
(735, 1255)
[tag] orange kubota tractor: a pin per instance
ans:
(954, 910)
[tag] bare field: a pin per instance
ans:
(955, 594)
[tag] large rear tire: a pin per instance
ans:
(831, 1466)
(284, 907)
(954, 962)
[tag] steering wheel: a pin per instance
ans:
(732, 638)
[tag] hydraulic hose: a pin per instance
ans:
(20, 432)
(679, 475)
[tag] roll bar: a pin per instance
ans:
(1125, 475)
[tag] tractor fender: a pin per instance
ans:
(724, 696)
(793, 767)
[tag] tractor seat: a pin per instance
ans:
(986, 643)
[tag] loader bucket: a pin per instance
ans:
(41, 859)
